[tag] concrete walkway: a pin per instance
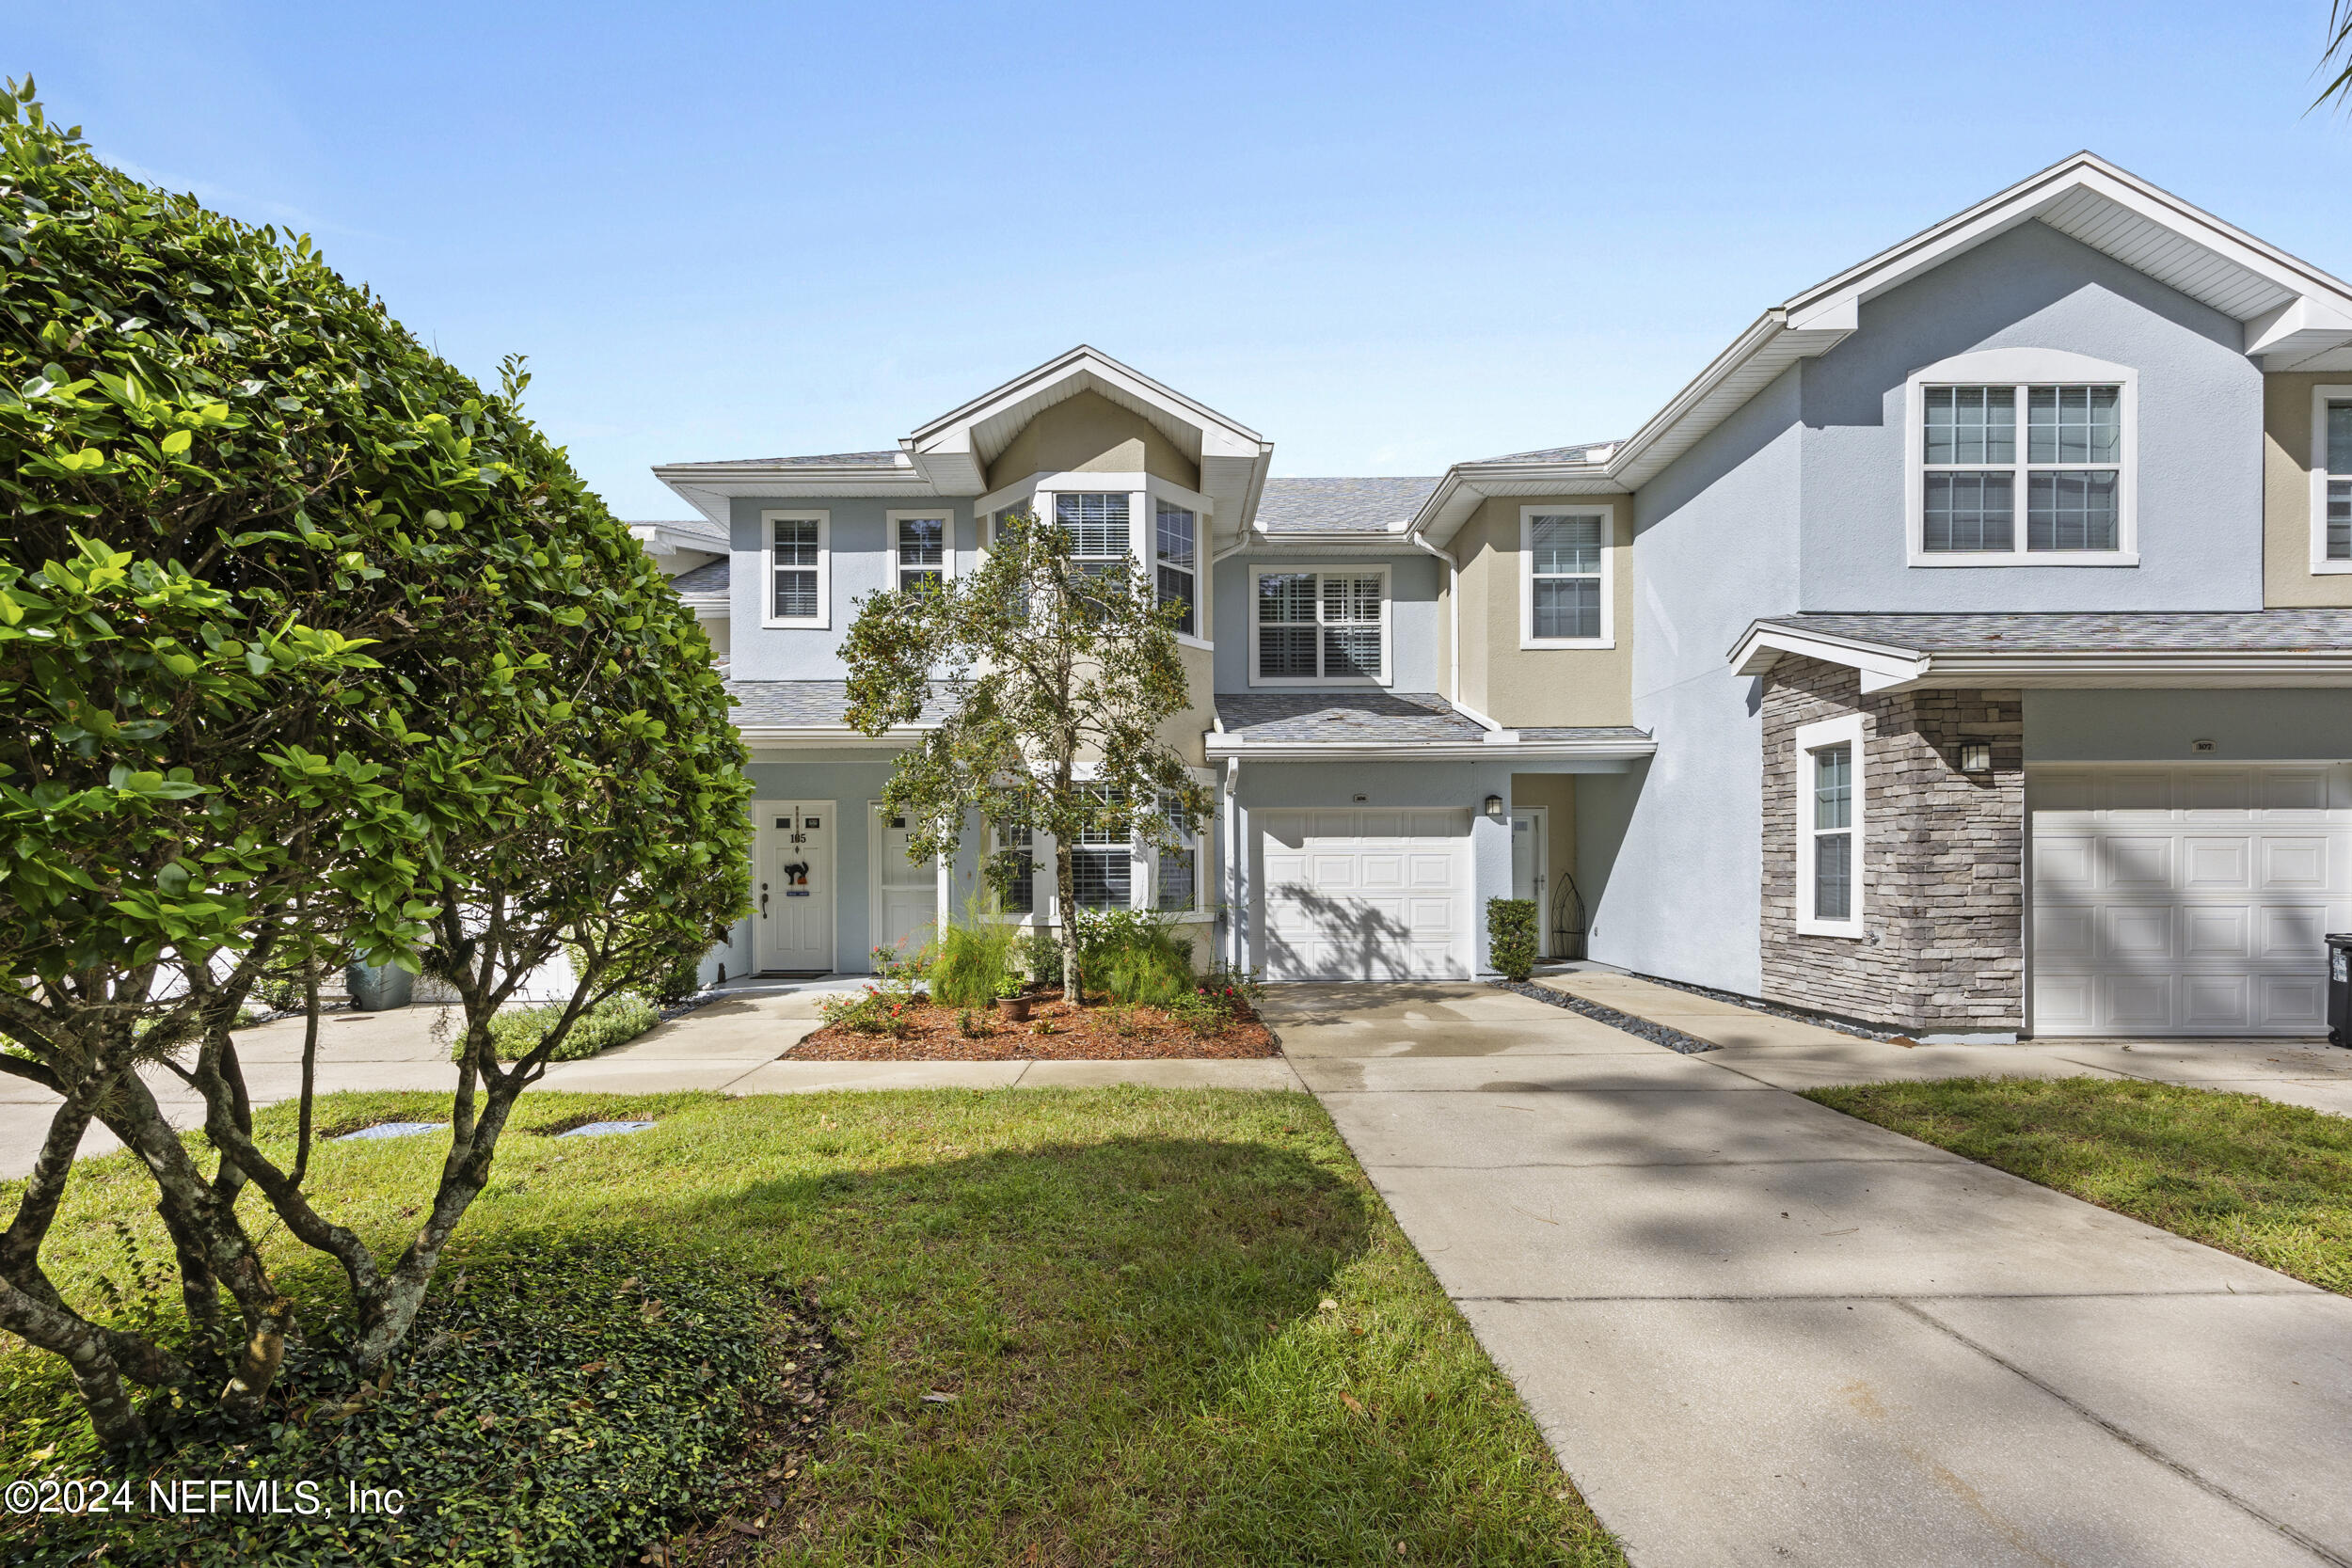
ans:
(728, 1046)
(1756, 1331)
(1793, 1054)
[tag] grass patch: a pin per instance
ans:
(1124, 1292)
(2270, 1182)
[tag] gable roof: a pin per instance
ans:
(949, 456)
(2295, 316)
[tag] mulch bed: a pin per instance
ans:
(1093, 1034)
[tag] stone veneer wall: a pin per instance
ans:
(1942, 894)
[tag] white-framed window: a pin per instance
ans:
(2331, 480)
(1097, 522)
(1312, 627)
(1103, 870)
(1828, 828)
(1176, 547)
(1176, 870)
(922, 547)
(1019, 896)
(796, 554)
(1565, 579)
(2022, 457)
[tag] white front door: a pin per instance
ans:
(1364, 894)
(1528, 864)
(2188, 898)
(793, 891)
(905, 891)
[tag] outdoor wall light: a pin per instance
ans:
(1976, 758)
(1494, 807)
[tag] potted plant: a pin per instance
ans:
(1012, 1000)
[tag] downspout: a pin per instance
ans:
(1232, 863)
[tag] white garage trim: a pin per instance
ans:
(2186, 899)
(1362, 894)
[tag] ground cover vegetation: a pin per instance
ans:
(2270, 1182)
(1105, 1327)
(1053, 683)
(317, 651)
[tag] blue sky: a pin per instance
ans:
(1386, 236)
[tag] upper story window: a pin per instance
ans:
(921, 550)
(1313, 628)
(1175, 537)
(2029, 467)
(1565, 577)
(2331, 479)
(797, 567)
(1828, 828)
(1097, 525)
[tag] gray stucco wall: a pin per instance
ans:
(860, 565)
(1416, 647)
(2293, 725)
(2200, 435)
(1714, 546)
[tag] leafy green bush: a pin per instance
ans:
(974, 955)
(614, 1021)
(684, 979)
(1134, 955)
(1511, 936)
(1037, 956)
(563, 1402)
(866, 1012)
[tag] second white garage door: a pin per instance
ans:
(2187, 900)
(1364, 893)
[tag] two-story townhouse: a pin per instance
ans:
(1963, 650)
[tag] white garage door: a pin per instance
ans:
(2187, 900)
(1364, 894)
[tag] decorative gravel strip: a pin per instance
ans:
(1798, 1015)
(1657, 1034)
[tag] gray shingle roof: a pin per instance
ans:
(1359, 716)
(806, 702)
(1341, 505)
(1552, 455)
(2166, 631)
(818, 460)
(1583, 732)
(711, 576)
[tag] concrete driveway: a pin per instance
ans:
(1756, 1331)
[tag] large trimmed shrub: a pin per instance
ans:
(1511, 944)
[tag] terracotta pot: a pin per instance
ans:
(1014, 1008)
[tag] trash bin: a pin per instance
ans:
(2340, 989)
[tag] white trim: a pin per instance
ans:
(1387, 660)
(769, 518)
(891, 519)
(1844, 731)
(2321, 397)
(1608, 515)
(1492, 747)
(2020, 368)
(875, 911)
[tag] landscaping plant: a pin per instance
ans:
(515, 1033)
(315, 650)
(1511, 944)
(975, 958)
(1060, 682)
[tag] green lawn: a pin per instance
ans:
(1180, 1325)
(2270, 1182)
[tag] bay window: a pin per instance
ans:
(1176, 540)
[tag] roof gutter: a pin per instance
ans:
(1492, 749)
(1884, 668)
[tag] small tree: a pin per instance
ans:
(313, 648)
(1056, 679)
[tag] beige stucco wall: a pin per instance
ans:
(1089, 433)
(2287, 578)
(1517, 686)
